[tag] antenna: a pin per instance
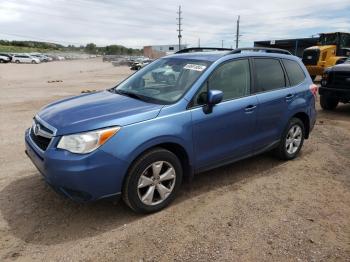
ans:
(179, 30)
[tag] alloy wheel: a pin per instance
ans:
(156, 183)
(293, 140)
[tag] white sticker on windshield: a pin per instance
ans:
(195, 67)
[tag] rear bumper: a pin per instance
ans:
(82, 178)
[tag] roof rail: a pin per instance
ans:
(261, 49)
(202, 49)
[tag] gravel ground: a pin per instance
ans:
(260, 209)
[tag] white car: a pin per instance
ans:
(25, 59)
(4, 58)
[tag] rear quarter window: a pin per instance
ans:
(295, 73)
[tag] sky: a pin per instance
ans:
(153, 22)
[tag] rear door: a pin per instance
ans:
(274, 97)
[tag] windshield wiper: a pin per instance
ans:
(129, 94)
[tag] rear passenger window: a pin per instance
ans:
(269, 74)
(295, 73)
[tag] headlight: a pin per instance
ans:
(84, 143)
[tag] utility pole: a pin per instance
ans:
(179, 30)
(222, 43)
(237, 32)
(199, 42)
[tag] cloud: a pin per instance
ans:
(138, 23)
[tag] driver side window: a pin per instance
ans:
(232, 78)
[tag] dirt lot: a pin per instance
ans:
(257, 209)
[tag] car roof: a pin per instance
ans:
(205, 56)
(216, 55)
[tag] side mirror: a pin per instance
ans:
(214, 97)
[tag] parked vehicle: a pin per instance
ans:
(142, 137)
(333, 48)
(5, 58)
(166, 74)
(335, 86)
(137, 65)
(42, 58)
(25, 59)
(110, 58)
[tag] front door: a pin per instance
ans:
(227, 133)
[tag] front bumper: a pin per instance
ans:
(82, 178)
(335, 92)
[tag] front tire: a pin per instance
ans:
(292, 140)
(152, 181)
(328, 102)
(17, 62)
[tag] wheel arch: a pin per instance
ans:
(306, 121)
(174, 147)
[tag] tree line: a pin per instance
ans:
(90, 48)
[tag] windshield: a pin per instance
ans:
(164, 81)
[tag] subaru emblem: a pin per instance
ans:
(36, 129)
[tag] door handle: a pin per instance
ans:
(250, 108)
(289, 97)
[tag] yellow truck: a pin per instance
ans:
(332, 49)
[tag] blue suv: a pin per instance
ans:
(180, 115)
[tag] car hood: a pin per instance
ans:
(341, 68)
(96, 110)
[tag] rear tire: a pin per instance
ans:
(292, 140)
(152, 181)
(328, 102)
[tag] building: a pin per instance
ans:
(295, 46)
(157, 51)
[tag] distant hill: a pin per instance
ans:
(45, 47)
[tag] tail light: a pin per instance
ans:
(314, 89)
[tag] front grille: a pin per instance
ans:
(40, 141)
(310, 57)
(43, 128)
(41, 134)
(340, 79)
